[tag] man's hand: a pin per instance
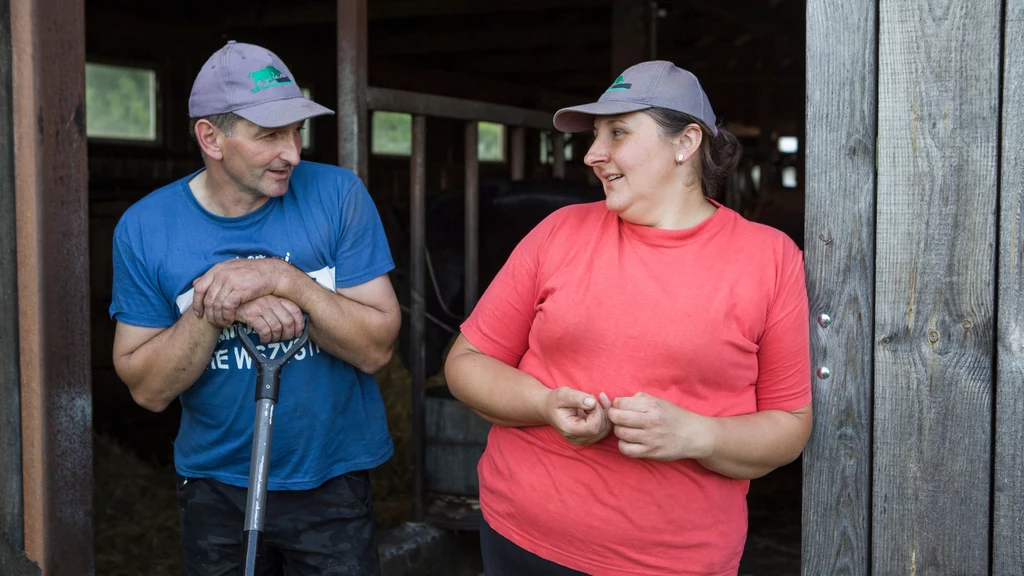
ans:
(649, 427)
(274, 319)
(577, 416)
(229, 284)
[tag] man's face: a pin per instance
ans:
(260, 160)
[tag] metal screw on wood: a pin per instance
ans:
(824, 372)
(824, 320)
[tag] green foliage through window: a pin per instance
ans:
(120, 102)
(307, 136)
(490, 142)
(392, 133)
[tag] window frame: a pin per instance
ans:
(158, 112)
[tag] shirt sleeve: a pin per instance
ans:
(784, 364)
(499, 325)
(136, 298)
(362, 251)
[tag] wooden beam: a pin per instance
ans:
(324, 13)
(48, 41)
(839, 233)
(352, 114)
(1008, 515)
(935, 276)
(478, 40)
(457, 108)
(11, 501)
(399, 74)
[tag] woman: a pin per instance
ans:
(642, 358)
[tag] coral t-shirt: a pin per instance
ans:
(712, 318)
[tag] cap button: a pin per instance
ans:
(231, 42)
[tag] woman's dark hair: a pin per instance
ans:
(718, 154)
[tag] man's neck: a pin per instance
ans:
(217, 194)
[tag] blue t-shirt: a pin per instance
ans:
(330, 418)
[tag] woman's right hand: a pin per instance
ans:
(577, 416)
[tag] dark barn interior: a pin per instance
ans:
(534, 54)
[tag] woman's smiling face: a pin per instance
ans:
(636, 166)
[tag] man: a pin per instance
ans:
(258, 238)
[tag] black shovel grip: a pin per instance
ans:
(268, 370)
(258, 356)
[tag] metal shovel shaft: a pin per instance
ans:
(268, 382)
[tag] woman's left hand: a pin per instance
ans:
(649, 427)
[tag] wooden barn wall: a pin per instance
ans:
(48, 75)
(839, 256)
(916, 462)
(1008, 529)
(938, 139)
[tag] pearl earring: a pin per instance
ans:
(680, 158)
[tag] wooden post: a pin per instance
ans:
(938, 110)
(353, 117)
(11, 508)
(839, 256)
(1008, 516)
(517, 156)
(471, 218)
(51, 186)
(558, 161)
(417, 318)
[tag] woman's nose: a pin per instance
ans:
(595, 155)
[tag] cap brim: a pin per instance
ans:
(279, 113)
(581, 118)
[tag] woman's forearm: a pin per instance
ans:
(497, 392)
(753, 445)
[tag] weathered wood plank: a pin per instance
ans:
(839, 257)
(10, 404)
(934, 285)
(51, 185)
(1008, 515)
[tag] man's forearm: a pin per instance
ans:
(357, 333)
(169, 363)
(753, 445)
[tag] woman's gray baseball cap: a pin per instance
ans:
(655, 84)
(253, 83)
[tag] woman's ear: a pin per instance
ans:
(209, 138)
(689, 143)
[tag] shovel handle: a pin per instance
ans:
(258, 356)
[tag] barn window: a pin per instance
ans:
(789, 144)
(789, 177)
(547, 151)
(392, 133)
(307, 127)
(490, 142)
(120, 103)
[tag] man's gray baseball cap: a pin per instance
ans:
(253, 83)
(655, 84)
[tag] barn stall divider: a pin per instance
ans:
(448, 438)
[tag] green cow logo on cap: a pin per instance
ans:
(268, 78)
(619, 84)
